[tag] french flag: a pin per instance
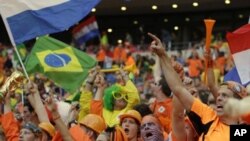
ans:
(239, 43)
(27, 19)
(86, 30)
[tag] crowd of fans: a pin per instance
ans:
(154, 95)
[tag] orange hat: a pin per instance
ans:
(236, 88)
(48, 127)
(94, 122)
(132, 114)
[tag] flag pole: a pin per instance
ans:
(14, 45)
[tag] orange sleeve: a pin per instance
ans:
(96, 107)
(206, 113)
(10, 127)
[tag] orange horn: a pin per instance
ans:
(209, 23)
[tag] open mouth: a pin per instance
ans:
(126, 130)
(148, 135)
(219, 107)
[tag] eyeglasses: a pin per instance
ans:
(119, 96)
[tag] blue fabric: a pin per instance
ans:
(233, 75)
(33, 23)
(88, 36)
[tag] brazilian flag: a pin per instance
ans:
(65, 65)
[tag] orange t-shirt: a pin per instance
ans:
(220, 64)
(10, 127)
(194, 66)
(101, 55)
(218, 131)
(163, 111)
(119, 54)
(96, 107)
(130, 61)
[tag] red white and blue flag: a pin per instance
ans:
(27, 19)
(239, 43)
(86, 30)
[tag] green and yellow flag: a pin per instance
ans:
(65, 65)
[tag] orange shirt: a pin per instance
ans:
(163, 111)
(130, 61)
(218, 131)
(119, 54)
(96, 107)
(10, 127)
(101, 55)
(220, 64)
(194, 66)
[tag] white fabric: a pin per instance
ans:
(9, 8)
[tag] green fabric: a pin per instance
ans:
(108, 96)
(111, 117)
(65, 65)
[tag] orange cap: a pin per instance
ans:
(132, 114)
(48, 127)
(94, 122)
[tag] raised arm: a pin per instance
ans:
(101, 85)
(57, 119)
(210, 75)
(36, 102)
(9, 124)
(87, 94)
(178, 123)
(170, 75)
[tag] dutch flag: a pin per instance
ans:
(27, 19)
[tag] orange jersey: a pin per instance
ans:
(101, 55)
(220, 64)
(217, 131)
(194, 66)
(119, 54)
(163, 111)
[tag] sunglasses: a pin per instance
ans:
(119, 96)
